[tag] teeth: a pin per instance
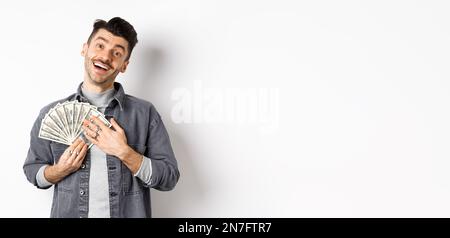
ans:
(101, 66)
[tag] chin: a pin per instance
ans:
(100, 81)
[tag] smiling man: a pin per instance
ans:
(113, 178)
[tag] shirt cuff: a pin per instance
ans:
(40, 178)
(145, 171)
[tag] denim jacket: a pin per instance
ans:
(128, 195)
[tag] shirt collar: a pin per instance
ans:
(119, 96)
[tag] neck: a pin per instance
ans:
(96, 88)
(100, 100)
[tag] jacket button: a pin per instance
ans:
(83, 166)
(81, 192)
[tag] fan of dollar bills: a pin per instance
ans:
(63, 123)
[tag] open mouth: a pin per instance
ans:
(100, 66)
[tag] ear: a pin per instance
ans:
(124, 66)
(84, 49)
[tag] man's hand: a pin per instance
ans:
(69, 162)
(112, 141)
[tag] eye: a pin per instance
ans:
(99, 46)
(117, 54)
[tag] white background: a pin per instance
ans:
(363, 101)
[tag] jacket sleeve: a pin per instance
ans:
(165, 172)
(39, 153)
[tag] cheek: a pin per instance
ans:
(117, 66)
(90, 54)
(87, 62)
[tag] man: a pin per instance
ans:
(113, 178)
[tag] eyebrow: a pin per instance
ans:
(105, 40)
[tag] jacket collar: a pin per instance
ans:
(119, 95)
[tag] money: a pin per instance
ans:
(63, 123)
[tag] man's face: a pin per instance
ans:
(104, 57)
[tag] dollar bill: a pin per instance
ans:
(63, 123)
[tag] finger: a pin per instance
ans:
(75, 143)
(91, 139)
(79, 147)
(116, 125)
(76, 151)
(71, 148)
(88, 131)
(99, 123)
(89, 123)
(95, 126)
(81, 154)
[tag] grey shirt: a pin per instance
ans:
(98, 179)
(128, 194)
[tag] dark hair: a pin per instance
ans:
(118, 27)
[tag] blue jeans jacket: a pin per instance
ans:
(128, 195)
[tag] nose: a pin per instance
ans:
(104, 56)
